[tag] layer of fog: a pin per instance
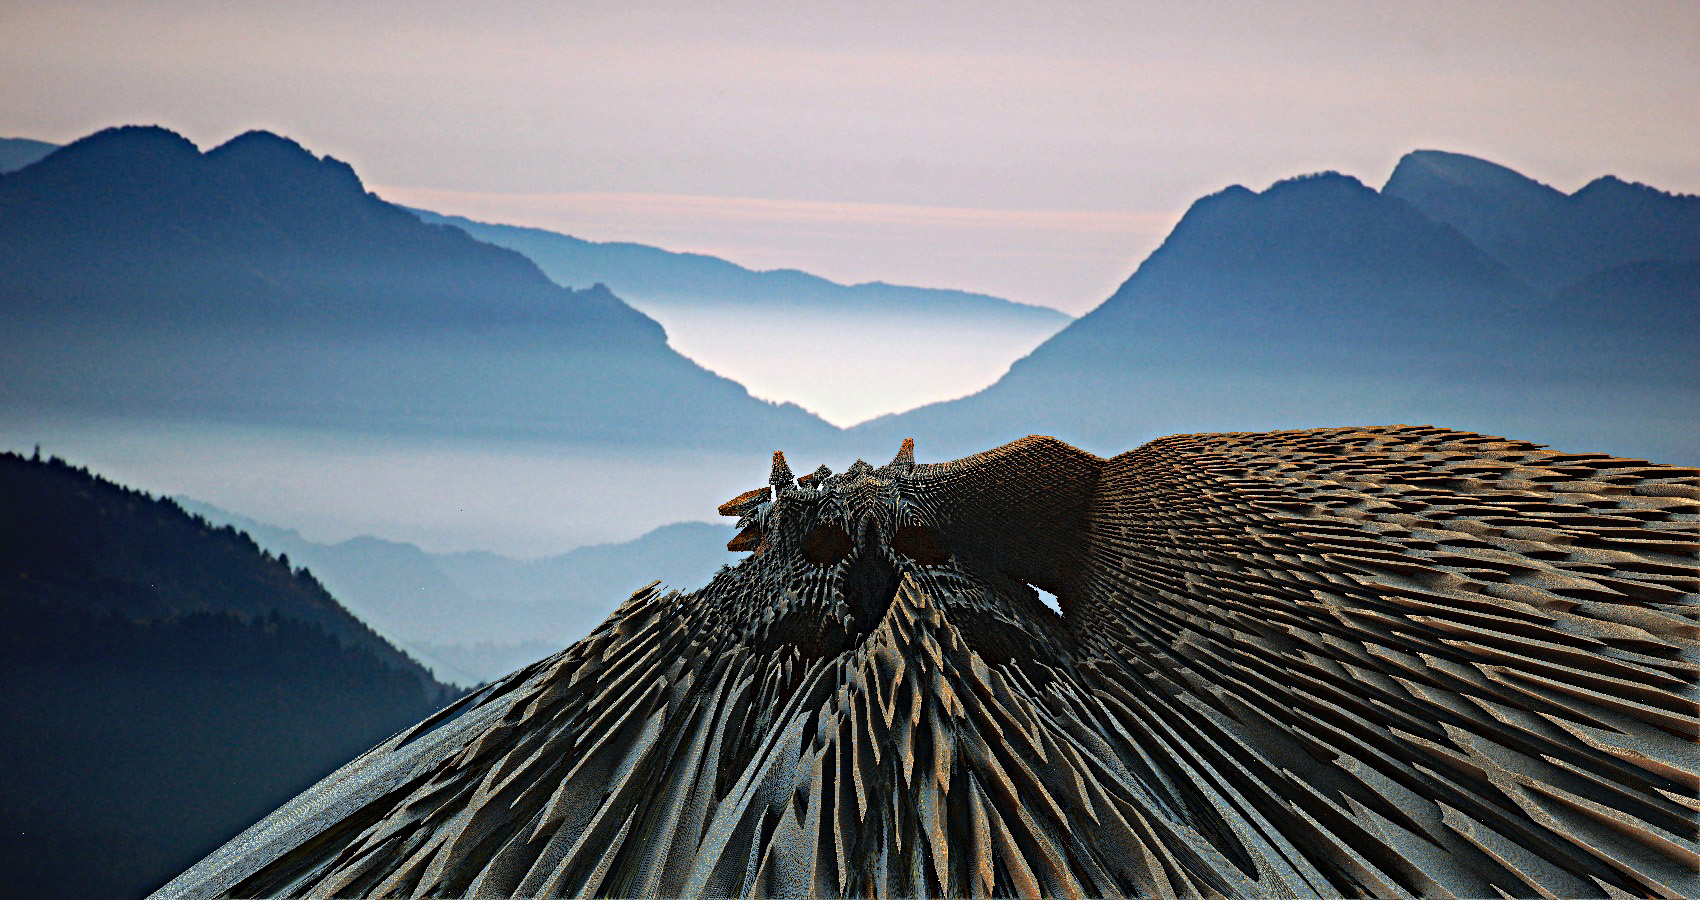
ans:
(518, 499)
(848, 369)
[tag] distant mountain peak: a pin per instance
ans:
(1445, 170)
(1233, 193)
(134, 134)
(257, 155)
(1459, 170)
(154, 143)
(1308, 187)
(259, 142)
(269, 155)
(1325, 178)
(152, 161)
(1613, 186)
(260, 242)
(1549, 238)
(1461, 291)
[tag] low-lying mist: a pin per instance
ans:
(847, 368)
(516, 498)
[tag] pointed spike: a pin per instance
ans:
(781, 477)
(747, 540)
(905, 457)
(742, 504)
(816, 478)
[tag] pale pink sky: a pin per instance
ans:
(1033, 150)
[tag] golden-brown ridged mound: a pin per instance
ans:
(1372, 661)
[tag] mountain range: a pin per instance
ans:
(474, 617)
(1550, 239)
(154, 654)
(257, 282)
(653, 278)
(903, 346)
(163, 683)
(707, 305)
(1321, 301)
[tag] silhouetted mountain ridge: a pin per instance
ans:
(906, 345)
(1321, 302)
(257, 282)
(81, 530)
(16, 153)
(1276, 265)
(164, 683)
(1547, 237)
(650, 275)
(472, 617)
(288, 230)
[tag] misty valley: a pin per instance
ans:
(291, 467)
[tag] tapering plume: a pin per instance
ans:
(781, 477)
(905, 458)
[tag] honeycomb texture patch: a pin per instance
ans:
(1350, 662)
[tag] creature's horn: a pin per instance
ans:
(905, 457)
(781, 477)
(745, 503)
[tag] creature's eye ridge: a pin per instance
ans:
(921, 544)
(827, 544)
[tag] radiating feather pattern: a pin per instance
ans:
(1373, 661)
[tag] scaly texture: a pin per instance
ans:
(1375, 661)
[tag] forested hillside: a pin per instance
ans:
(164, 683)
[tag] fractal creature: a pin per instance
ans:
(1348, 662)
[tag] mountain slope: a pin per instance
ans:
(1321, 302)
(650, 277)
(903, 346)
(1243, 319)
(1549, 238)
(473, 617)
(164, 683)
(1634, 324)
(259, 283)
(16, 153)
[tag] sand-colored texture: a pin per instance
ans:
(1349, 662)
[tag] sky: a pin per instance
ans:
(1035, 151)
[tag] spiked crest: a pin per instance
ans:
(905, 458)
(781, 476)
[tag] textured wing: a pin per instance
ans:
(1375, 662)
(1026, 503)
(1411, 659)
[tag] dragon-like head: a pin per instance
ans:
(829, 552)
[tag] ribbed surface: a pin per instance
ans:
(1411, 660)
(1348, 662)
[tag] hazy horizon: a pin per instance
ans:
(1261, 374)
(1036, 153)
(1030, 152)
